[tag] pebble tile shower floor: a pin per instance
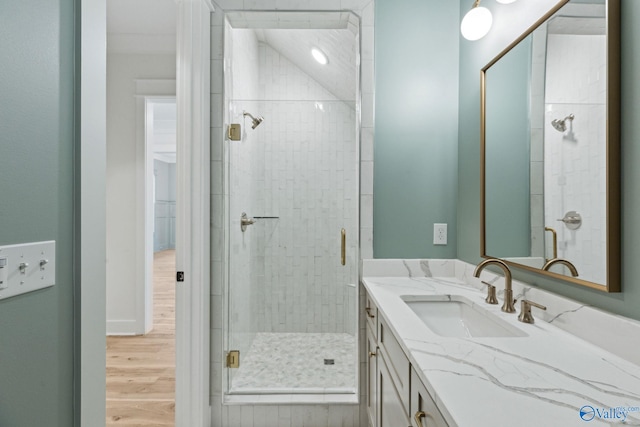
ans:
(295, 363)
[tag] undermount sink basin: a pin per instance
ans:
(456, 316)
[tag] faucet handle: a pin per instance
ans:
(491, 293)
(525, 311)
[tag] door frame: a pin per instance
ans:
(192, 247)
(193, 195)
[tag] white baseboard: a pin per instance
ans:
(123, 327)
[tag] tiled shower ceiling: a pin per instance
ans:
(339, 75)
(294, 34)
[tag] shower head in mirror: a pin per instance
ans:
(561, 125)
(255, 122)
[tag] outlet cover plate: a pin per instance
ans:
(439, 234)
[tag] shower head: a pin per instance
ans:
(560, 125)
(255, 122)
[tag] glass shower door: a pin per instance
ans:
(292, 299)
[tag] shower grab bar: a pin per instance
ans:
(343, 251)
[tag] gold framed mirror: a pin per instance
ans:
(550, 147)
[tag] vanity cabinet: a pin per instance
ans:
(394, 390)
(372, 373)
(422, 405)
(391, 404)
(396, 362)
(371, 312)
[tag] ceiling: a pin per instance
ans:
(149, 27)
(141, 26)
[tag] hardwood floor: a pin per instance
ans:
(141, 369)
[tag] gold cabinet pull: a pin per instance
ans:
(372, 354)
(418, 417)
(343, 252)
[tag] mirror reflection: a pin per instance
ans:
(545, 147)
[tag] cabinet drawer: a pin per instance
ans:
(396, 359)
(371, 312)
(421, 400)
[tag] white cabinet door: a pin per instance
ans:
(424, 412)
(372, 367)
(397, 362)
(391, 412)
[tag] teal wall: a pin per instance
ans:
(508, 154)
(473, 56)
(415, 151)
(36, 185)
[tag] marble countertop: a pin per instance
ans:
(542, 379)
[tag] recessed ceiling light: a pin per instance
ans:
(319, 56)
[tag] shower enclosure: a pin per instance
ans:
(291, 202)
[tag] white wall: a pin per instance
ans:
(122, 169)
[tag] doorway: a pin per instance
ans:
(141, 213)
(141, 374)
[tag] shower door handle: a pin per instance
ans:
(343, 251)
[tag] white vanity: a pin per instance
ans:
(424, 370)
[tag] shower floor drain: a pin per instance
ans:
(329, 362)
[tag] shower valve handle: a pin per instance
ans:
(572, 220)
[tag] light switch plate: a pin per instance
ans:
(29, 267)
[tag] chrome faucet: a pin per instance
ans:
(570, 266)
(508, 305)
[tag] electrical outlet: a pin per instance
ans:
(439, 234)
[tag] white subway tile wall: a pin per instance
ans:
(575, 160)
(285, 414)
(305, 173)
